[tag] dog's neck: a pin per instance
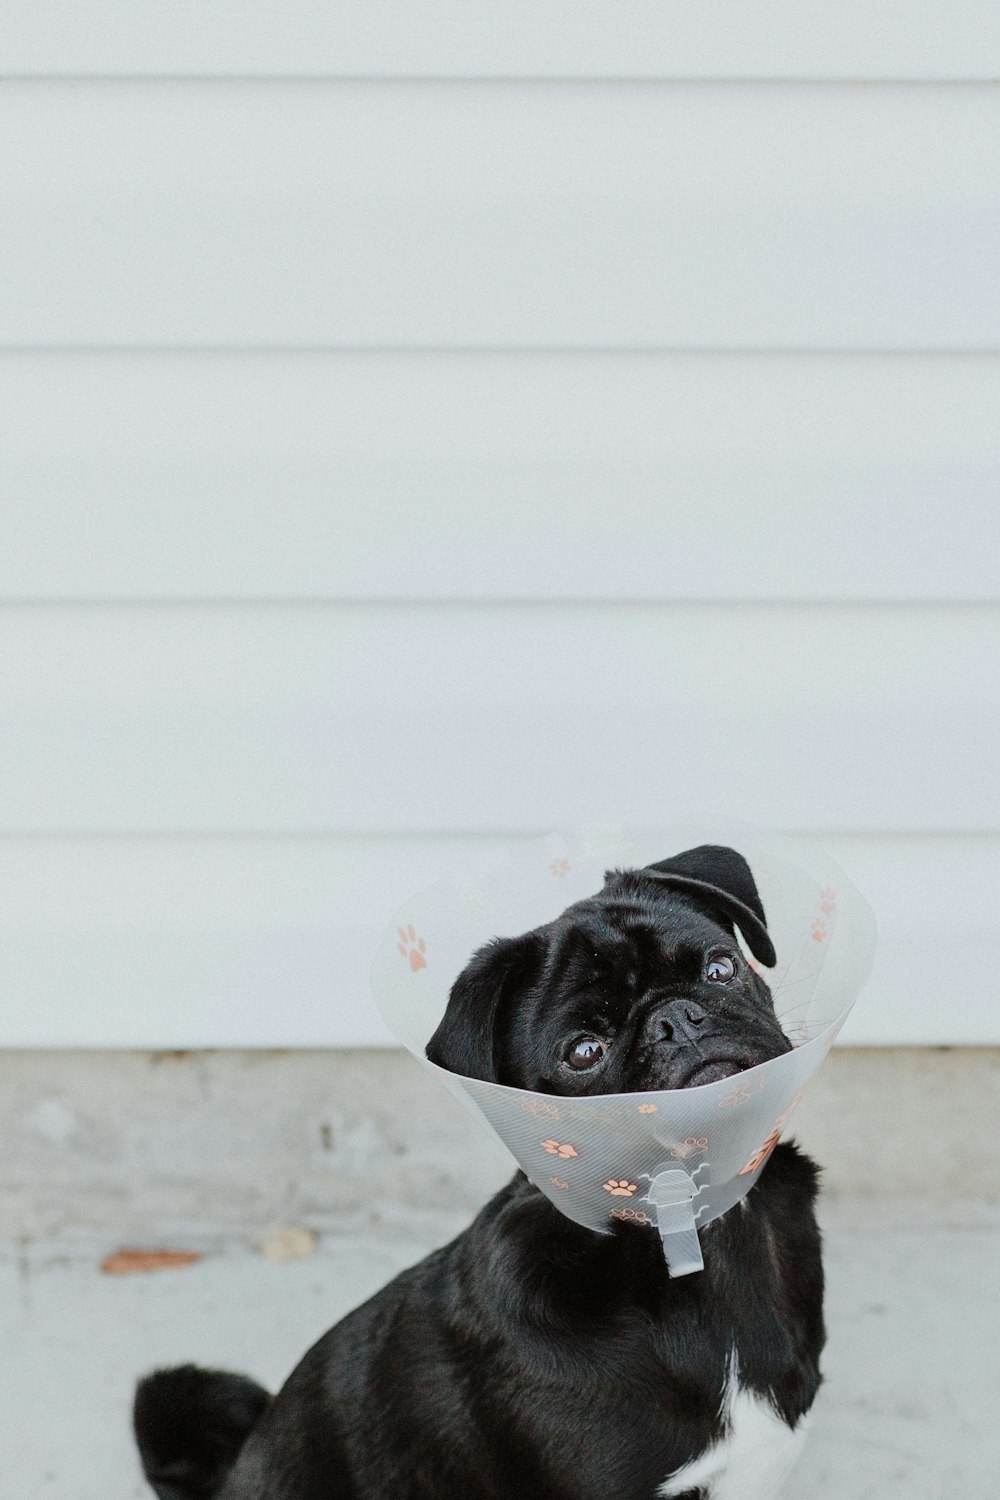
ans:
(761, 1261)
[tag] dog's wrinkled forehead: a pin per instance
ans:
(628, 941)
(641, 920)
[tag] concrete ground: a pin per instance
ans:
(369, 1156)
(908, 1412)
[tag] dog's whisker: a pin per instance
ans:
(788, 1010)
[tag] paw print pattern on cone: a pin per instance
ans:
(620, 1187)
(631, 1216)
(559, 1148)
(412, 947)
(542, 1109)
(694, 1145)
(741, 1093)
(761, 1154)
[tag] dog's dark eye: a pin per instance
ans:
(720, 968)
(585, 1052)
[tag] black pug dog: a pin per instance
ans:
(532, 1357)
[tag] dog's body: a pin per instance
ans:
(534, 1357)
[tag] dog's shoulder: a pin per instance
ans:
(792, 1173)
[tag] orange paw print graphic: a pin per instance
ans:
(828, 900)
(761, 1154)
(412, 948)
(818, 930)
(694, 1145)
(560, 1148)
(559, 866)
(631, 1216)
(540, 1108)
(619, 1187)
(559, 1182)
(740, 1093)
(647, 1109)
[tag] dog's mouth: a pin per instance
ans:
(714, 1059)
(711, 1070)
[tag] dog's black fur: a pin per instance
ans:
(191, 1425)
(532, 1356)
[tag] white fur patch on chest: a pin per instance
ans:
(753, 1457)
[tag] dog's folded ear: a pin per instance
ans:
(722, 880)
(466, 1040)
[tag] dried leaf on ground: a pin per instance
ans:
(122, 1262)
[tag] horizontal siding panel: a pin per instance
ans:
(366, 719)
(629, 38)
(515, 476)
(520, 215)
(254, 942)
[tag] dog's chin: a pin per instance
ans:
(711, 1072)
(703, 1068)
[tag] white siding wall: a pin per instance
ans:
(421, 429)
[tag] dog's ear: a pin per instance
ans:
(465, 1041)
(722, 880)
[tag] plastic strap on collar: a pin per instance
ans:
(672, 1194)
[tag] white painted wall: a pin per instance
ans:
(414, 435)
(536, 38)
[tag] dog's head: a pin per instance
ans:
(641, 987)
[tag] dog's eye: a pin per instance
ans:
(720, 968)
(585, 1052)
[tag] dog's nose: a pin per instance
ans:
(679, 1020)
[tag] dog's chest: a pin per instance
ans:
(751, 1460)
